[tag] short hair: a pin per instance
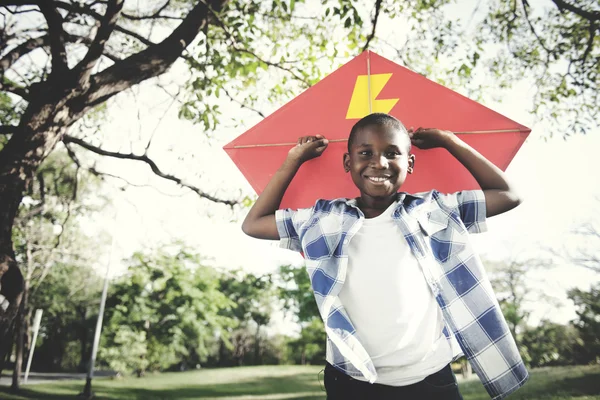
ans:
(377, 119)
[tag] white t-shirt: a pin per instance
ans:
(391, 305)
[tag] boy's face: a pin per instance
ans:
(379, 160)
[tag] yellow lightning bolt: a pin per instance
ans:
(359, 103)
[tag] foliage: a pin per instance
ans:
(555, 44)
(309, 348)
(550, 344)
(174, 300)
(296, 292)
(69, 298)
(244, 347)
(253, 299)
(128, 352)
(252, 296)
(509, 281)
(588, 322)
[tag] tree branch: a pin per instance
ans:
(155, 15)
(591, 16)
(242, 104)
(19, 3)
(250, 52)
(55, 30)
(43, 41)
(152, 61)
(8, 129)
(9, 86)
(532, 29)
(375, 18)
(75, 8)
(29, 45)
(144, 158)
(96, 48)
(590, 43)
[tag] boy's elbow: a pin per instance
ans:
(512, 199)
(501, 201)
(516, 198)
(251, 228)
(247, 227)
(261, 228)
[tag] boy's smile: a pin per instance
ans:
(378, 162)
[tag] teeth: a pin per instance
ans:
(378, 178)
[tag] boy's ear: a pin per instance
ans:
(411, 163)
(347, 162)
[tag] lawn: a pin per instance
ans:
(291, 382)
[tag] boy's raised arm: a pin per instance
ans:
(500, 195)
(260, 221)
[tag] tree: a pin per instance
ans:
(296, 292)
(585, 249)
(252, 297)
(46, 233)
(588, 322)
(309, 347)
(70, 57)
(555, 43)
(69, 296)
(549, 344)
(170, 304)
(509, 279)
(59, 94)
(509, 284)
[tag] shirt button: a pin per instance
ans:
(346, 241)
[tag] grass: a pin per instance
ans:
(291, 382)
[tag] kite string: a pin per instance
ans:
(247, 146)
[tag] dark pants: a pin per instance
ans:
(439, 386)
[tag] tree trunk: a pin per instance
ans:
(221, 362)
(465, 368)
(22, 322)
(41, 127)
(20, 336)
(83, 340)
(513, 330)
(257, 346)
(11, 287)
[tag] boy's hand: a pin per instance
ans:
(260, 221)
(429, 138)
(308, 147)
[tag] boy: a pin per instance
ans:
(398, 285)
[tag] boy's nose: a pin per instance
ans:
(380, 162)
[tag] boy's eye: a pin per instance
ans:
(365, 153)
(392, 154)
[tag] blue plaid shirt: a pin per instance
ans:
(436, 227)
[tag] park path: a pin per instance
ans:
(44, 377)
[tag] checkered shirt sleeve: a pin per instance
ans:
(289, 225)
(470, 206)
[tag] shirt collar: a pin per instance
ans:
(401, 198)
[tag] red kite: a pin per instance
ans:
(370, 83)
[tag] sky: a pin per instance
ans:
(555, 177)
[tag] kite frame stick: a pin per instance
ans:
(249, 146)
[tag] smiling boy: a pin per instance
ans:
(398, 285)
